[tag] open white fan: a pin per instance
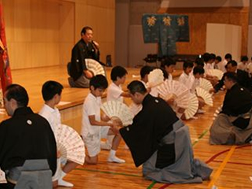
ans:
(2, 177)
(205, 95)
(205, 84)
(94, 66)
(215, 72)
(175, 89)
(70, 144)
(192, 108)
(119, 110)
(155, 78)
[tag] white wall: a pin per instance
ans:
(205, 3)
(224, 38)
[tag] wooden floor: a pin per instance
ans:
(232, 164)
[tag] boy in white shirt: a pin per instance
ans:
(198, 72)
(243, 65)
(95, 127)
(144, 72)
(168, 65)
(217, 62)
(118, 77)
(186, 77)
(115, 92)
(51, 92)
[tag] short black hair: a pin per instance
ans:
(18, 93)
(228, 56)
(206, 57)
(50, 89)
(218, 58)
(187, 64)
(199, 61)
(232, 62)
(117, 71)
(84, 30)
(167, 61)
(198, 69)
(212, 56)
(136, 86)
(98, 81)
(165, 74)
(231, 76)
(244, 58)
(145, 70)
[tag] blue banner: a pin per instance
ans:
(166, 30)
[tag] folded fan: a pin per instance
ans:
(155, 77)
(205, 84)
(94, 66)
(174, 89)
(192, 108)
(70, 144)
(207, 97)
(215, 72)
(119, 110)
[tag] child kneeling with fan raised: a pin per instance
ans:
(95, 126)
(70, 146)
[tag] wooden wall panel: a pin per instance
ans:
(199, 17)
(43, 32)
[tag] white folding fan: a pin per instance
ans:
(117, 109)
(205, 95)
(94, 66)
(192, 108)
(205, 84)
(155, 78)
(175, 89)
(215, 72)
(2, 177)
(70, 144)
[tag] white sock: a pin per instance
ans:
(62, 174)
(112, 153)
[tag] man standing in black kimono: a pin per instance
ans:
(161, 142)
(85, 48)
(234, 124)
(25, 137)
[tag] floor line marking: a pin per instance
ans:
(221, 167)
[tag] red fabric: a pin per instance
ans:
(5, 71)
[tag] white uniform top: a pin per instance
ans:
(52, 115)
(169, 77)
(195, 84)
(114, 92)
(208, 66)
(222, 65)
(242, 66)
(187, 80)
(145, 84)
(91, 106)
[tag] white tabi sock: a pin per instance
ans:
(61, 182)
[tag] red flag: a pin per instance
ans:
(5, 71)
